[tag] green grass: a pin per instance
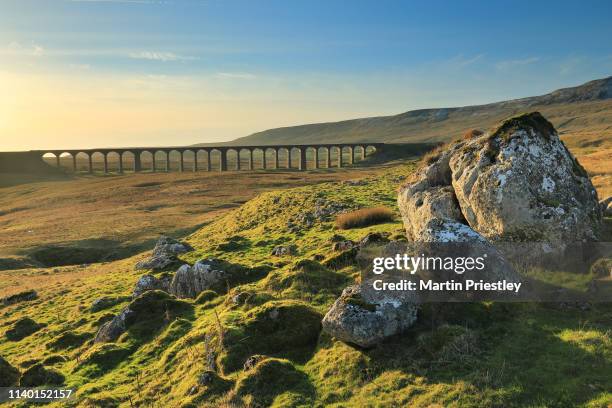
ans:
(474, 355)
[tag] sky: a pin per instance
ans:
(97, 73)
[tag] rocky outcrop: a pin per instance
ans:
(429, 195)
(164, 254)
(205, 274)
(150, 310)
(110, 331)
(284, 250)
(373, 238)
(344, 245)
(150, 282)
(444, 238)
(156, 263)
(517, 183)
(365, 318)
(520, 183)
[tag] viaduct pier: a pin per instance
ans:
(213, 158)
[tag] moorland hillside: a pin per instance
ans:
(231, 315)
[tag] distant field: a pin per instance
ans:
(114, 216)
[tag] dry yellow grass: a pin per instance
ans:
(127, 212)
(364, 217)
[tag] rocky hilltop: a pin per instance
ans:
(586, 107)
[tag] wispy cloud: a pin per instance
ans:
(32, 50)
(508, 64)
(463, 61)
(160, 56)
(235, 75)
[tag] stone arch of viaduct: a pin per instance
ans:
(346, 154)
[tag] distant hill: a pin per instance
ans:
(585, 108)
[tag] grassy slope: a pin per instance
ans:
(122, 215)
(516, 355)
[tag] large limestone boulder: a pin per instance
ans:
(366, 317)
(190, 281)
(429, 195)
(442, 238)
(520, 183)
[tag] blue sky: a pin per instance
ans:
(185, 71)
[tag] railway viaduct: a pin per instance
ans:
(346, 154)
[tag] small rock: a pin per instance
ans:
(167, 246)
(365, 318)
(164, 254)
(150, 282)
(284, 250)
(343, 245)
(190, 281)
(373, 238)
(240, 298)
(154, 307)
(110, 331)
(252, 361)
(206, 378)
(156, 263)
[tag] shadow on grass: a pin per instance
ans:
(86, 251)
(535, 356)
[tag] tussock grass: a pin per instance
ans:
(364, 217)
(472, 133)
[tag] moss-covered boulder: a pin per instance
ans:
(9, 375)
(23, 328)
(367, 317)
(144, 316)
(288, 329)
(38, 375)
(275, 382)
(212, 274)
